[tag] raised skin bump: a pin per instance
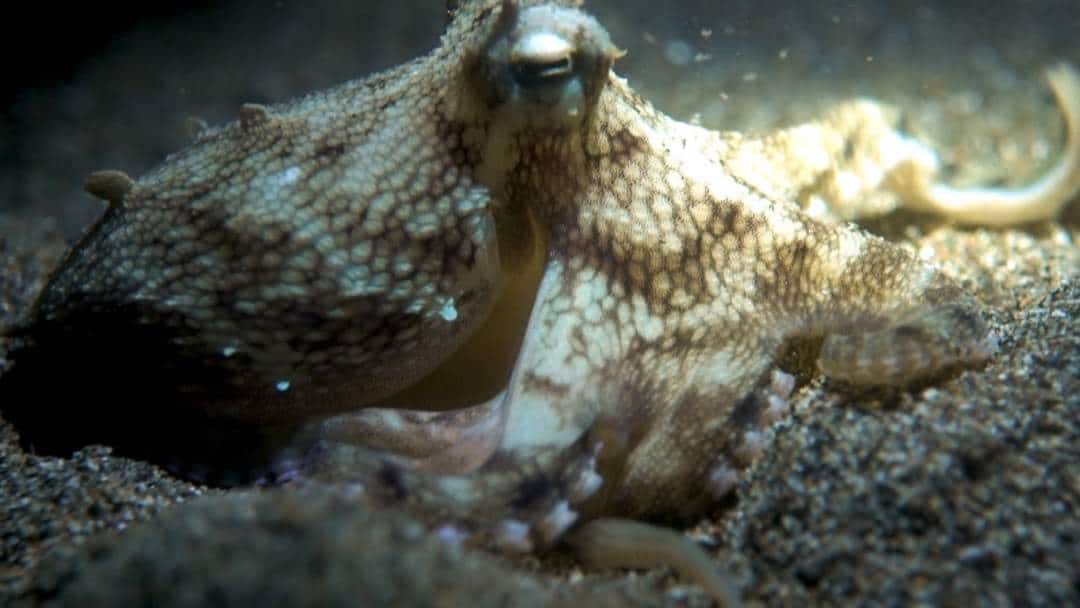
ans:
(548, 259)
(111, 186)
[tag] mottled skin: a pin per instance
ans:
(495, 284)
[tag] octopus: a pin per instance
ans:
(496, 286)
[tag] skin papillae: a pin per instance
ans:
(496, 285)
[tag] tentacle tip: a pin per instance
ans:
(776, 410)
(512, 536)
(752, 447)
(588, 481)
(556, 522)
(451, 536)
(586, 485)
(722, 481)
(782, 383)
(1063, 73)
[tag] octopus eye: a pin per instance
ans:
(545, 63)
(542, 58)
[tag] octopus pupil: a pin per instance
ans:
(531, 73)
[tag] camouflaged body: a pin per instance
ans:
(591, 288)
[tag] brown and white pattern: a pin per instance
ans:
(497, 286)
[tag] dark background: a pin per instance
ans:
(88, 87)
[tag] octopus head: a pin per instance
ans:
(546, 63)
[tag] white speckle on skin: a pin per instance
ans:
(282, 179)
(282, 385)
(228, 351)
(448, 312)
(290, 175)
